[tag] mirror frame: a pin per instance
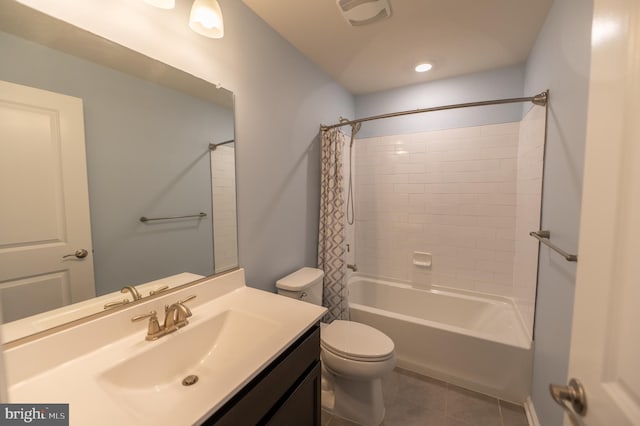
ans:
(38, 27)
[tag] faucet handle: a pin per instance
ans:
(143, 316)
(187, 312)
(181, 302)
(187, 299)
(153, 330)
(114, 304)
(159, 290)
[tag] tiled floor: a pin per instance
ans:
(411, 400)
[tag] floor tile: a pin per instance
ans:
(403, 387)
(454, 422)
(513, 415)
(405, 413)
(472, 408)
(415, 400)
(337, 421)
(325, 418)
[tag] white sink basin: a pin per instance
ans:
(203, 349)
(150, 382)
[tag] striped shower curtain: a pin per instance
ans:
(331, 232)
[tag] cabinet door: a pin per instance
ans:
(302, 407)
(260, 401)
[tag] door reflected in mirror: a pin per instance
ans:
(146, 129)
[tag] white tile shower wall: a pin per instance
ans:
(448, 192)
(223, 175)
(529, 195)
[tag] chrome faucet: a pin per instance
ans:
(176, 316)
(134, 292)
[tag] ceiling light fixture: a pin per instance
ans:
(423, 67)
(162, 4)
(206, 18)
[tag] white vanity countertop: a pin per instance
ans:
(117, 377)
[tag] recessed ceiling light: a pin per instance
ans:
(424, 67)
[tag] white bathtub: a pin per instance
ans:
(472, 340)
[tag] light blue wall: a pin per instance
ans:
(559, 62)
(281, 100)
(494, 84)
(147, 155)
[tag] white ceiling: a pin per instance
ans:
(457, 36)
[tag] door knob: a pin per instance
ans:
(573, 394)
(80, 254)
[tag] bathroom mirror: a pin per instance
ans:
(148, 130)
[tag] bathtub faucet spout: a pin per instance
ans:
(353, 267)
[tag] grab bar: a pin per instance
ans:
(149, 219)
(543, 237)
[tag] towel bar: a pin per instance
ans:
(543, 237)
(149, 219)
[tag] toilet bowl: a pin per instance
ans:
(354, 356)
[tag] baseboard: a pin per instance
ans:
(530, 410)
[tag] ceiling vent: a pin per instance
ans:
(363, 12)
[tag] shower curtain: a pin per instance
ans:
(331, 232)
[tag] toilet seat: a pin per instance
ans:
(356, 341)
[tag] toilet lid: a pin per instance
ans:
(356, 341)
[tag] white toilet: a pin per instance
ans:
(354, 356)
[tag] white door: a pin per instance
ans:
(44, 204)
(605, 344)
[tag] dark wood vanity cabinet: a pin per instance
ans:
(287, 392)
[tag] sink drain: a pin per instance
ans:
(190, 380)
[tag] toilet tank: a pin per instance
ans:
(304, 284)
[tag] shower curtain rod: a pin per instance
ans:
(539, 99)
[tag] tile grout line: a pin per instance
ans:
(446, 401)
(500, 413)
